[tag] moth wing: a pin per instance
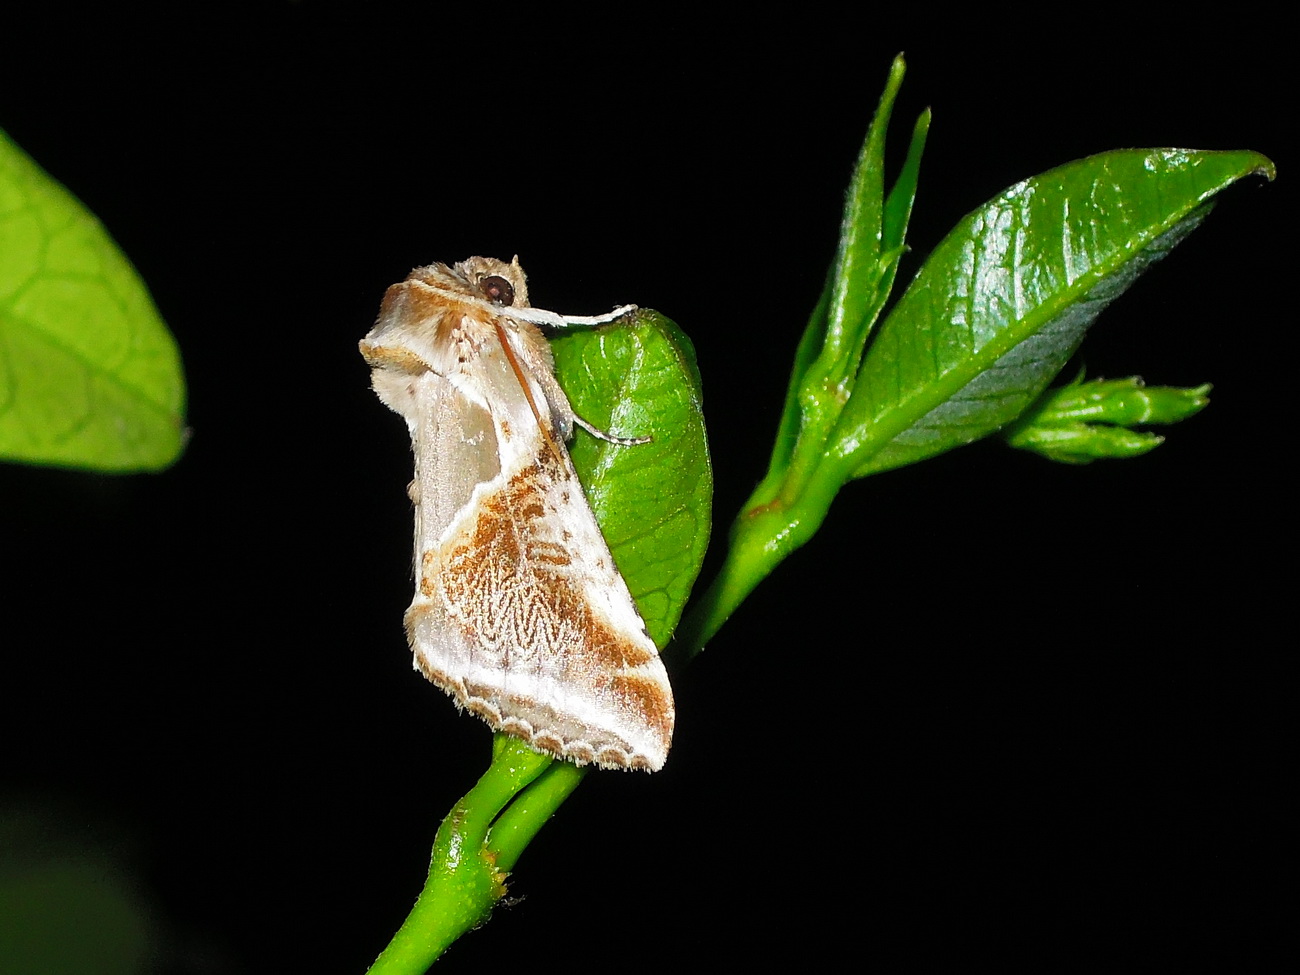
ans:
(520, 612)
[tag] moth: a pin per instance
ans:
(520, 613)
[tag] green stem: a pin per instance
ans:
(465, 878)
(762, 536)
(515, 828)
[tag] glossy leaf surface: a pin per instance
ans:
(1006, 298)
(653, 501)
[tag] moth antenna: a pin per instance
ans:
(540, 316)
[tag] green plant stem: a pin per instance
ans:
(762, 536)
(807, 467)
(465, 875)
(515, 828)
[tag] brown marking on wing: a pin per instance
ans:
(550, 553)
(646, 698)
(504, 553)
(426, 574)
(509, 587)
(393, 357)
(547, 728)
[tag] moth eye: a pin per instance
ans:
(498, 290)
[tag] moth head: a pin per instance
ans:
(500, 283)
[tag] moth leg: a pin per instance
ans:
(609, 437)
(413, 492)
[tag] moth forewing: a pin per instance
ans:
(520, 613)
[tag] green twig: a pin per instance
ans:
(465, 878)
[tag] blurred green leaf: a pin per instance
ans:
(68, 905)
(89, 375)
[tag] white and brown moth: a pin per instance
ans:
(519, 613)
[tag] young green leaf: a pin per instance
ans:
(789, 503)
(1087, 421)
(89, 376)
(1005, 299)
(873, 229)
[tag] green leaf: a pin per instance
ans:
(89, 375)
(1005, 299)
(1082, 443)
(68, 903)
(873, 229)
(789, 503)
(887, 221)
(653, 501)
(1087, 421)
(898, 205)
(858, 258)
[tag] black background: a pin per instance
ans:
(999, 712)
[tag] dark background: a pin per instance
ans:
(999, 711)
